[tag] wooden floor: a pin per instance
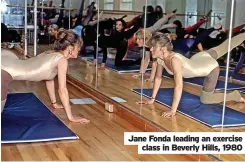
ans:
(113, 84)
(100, 140)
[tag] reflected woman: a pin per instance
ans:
(202, 64)
(44, 67)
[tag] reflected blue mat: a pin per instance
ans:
(110, 63)
(26, 119)
(87, 57)
(90, 56)
(190, 106)
(238, 76)
(231, 66)
(199, 81)
(235, 63)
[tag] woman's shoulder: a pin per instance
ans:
(48, 56)
(177, 54)
(50, 53)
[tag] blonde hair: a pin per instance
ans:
(140, 35)
(53, 26)
(161, 40)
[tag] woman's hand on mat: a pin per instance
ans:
(168, 114)
(79, 120)
(148, 102)
(58, 106)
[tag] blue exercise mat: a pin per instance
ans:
(110, 63)
(199, 82)
(237, 76)
(190, 105)
(26, 119)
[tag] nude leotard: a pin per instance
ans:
(41, 67)
(199, 65)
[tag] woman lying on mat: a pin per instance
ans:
(202, 64)
(45, 67)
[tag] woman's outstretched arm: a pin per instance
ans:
(178, 88)
(158, 81)
(145, 62)
(63, 92)
(51, 91)
(156, 86)
(153, 72)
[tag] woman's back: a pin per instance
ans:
(41, 67)
(199, 65)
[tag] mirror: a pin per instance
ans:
(118, 57)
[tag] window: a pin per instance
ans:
(151, 3)
(155, 3)
(190, 19)
(219, 8)
(126, 5)
(218, 17)
(161, 3)
(108, 4)
(191, 9)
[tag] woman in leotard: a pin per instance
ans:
(203, 64)
(182, 46)
(44, 67)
